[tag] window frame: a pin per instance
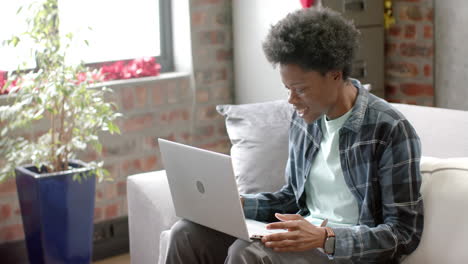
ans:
(166, 57)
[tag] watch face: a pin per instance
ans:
(330, 245)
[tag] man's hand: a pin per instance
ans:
(301, 234)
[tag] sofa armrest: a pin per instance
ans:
(150, 211)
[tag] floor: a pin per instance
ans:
(122, 259)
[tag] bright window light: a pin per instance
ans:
(120, 30)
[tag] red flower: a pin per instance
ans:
(3, 80)
(81, 77)
(136, 68)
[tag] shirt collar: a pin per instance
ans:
(356, 118)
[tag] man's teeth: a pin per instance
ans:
(301, 111)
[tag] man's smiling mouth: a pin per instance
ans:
(301, 111)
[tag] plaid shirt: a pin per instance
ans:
(380, 154)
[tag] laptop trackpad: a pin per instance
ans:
(258, 229)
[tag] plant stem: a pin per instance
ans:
(63, 162)
(52, 135)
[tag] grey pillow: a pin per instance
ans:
(259, 137)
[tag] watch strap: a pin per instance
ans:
(330, 238)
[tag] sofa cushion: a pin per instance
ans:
(445, 192)
(259, 137)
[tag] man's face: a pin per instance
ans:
(311, 93)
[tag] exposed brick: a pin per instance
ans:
(222, 74)
(111, 211)
(394, 30)
(175, 116)
(123, 207)
(120, 148)
(141, 96)
(202, 96)
(391, 89)
(158, 94)
(427, 70)
(208, 113)
(206, 131)
(138, 123)
(11, 232)
(98, 214)
(150, 142)
(198, 18)
(122, 188)
(99, 195)
(417, 89)
(186, 137)
(390, 48)
(113, 170)
(412, 13)
(402, 69)
(416, 49)
(430, 14)
(5, 212)
(110, 191)
(204, 77)
(7, 187)
(223, 18)
(89, 156)
(206, 2)
(213, 37)
(145, 164)
(173, 95)
(410, 31)
(222, 93)
(428, 32)
(185, 91)
(223, 55)
(392, 100)
(127, 98)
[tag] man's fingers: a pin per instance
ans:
(281, 236)
(287, 217)
(281, 244)
(283, 225)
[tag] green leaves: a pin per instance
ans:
(56, 94)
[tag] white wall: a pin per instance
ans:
(255, 79)
(451, 53)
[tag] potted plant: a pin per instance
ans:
(55, 190)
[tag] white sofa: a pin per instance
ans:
(444, 189)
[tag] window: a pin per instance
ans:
(114, 29)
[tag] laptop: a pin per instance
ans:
(204, 190)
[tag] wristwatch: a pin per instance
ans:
(329, 245)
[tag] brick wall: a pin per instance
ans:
(167, 106)
(410, 53)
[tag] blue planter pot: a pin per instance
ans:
(57, 214)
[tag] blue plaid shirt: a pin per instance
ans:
(380, 154)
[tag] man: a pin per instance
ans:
(353, 161)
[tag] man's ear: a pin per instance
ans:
(336, 75)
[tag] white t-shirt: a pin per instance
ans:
(327, 195)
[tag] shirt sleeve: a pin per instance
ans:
(402, 206)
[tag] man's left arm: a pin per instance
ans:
(402, 206)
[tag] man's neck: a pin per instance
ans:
(345, 101)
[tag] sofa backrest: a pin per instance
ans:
(443, 132)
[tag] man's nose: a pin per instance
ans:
(292, 97)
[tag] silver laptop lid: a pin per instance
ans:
(203, 187)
